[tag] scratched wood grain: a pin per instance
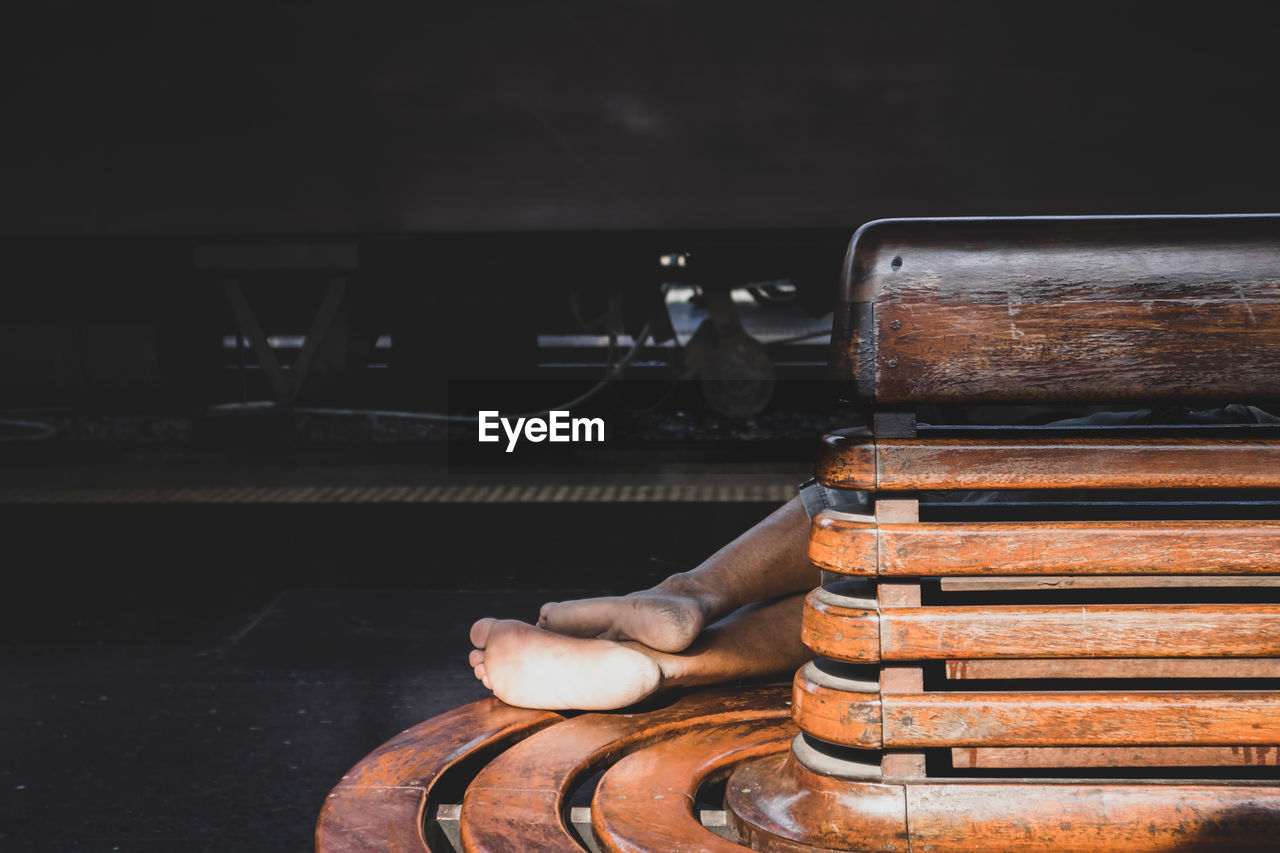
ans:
(1117, 668)
(831, 629)
(1148, 718)
(1115, 756)
(1071, 631)
(1045, 817)
(836, 713)
(378, 803)
(1060, 310)
(776, 805)
(1049, 582)
(856, 545)
(516, 802)
(1051, 463)
(642, 803)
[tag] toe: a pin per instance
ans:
(481, 673)
(476, 657)
(480, 632)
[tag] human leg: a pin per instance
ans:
(527, 666)
(765, 562)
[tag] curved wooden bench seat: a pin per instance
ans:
(644, 803)
(775, 804)
(864, 719)
(379, 804)
(1040, 631)
(517, 801)
(916, 464)
(856, 545)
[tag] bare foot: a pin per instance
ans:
(532, 668)
(664, 621)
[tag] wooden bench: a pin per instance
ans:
(1092, 664)
(1073, 667)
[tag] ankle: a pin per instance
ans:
(687, 585)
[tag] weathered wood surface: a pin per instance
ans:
(778, 806)
(835, 710)
(1043, 631)
(1200, 718)
(1060, 310)
(517, 801)
(855, 545)
(378, 805)
(1051, 582)
(847, 715)
(1115, 756)
(1179, 668)
(643, 803)
(844, 629)
(916, 464)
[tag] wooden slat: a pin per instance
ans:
(643, 803)
(516, 801)
(962, 670)
(917, 464)
(859, 717)
(855, 545)
(1115, 756)
(1096, 350)
(1065, 548)
(1041, 631)
(776, 805)
(1051, 582)
(1106, 818)
(834, 712)
(1006, 310)
(1075, 631)
(1199, 718)
(833, 629)
(377, 806)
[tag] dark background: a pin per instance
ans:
(189, 663)
(311, 118)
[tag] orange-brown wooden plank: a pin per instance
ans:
(845, 629)
(1103, 350)
(1069, 631)
(836, 711)
(1044, 817)
(378, 805)
(1048, 582)
(1193, 718)
(856, 545)
(1116, 668)
(914, 464)
(776, 805)
(516, 802)
(1083, 547)
(1003, 310)
(1115, 756)
(644, 803)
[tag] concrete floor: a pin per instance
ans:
(224, 665)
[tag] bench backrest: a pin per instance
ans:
(1061, 309)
